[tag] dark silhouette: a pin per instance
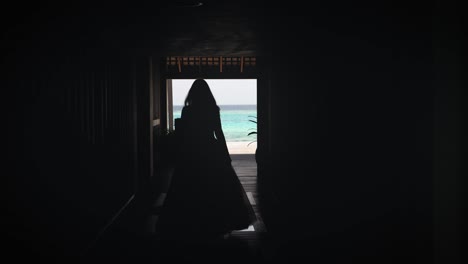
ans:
(206, 198)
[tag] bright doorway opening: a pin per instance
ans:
(237, 99)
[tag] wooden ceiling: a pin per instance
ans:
(214, 28)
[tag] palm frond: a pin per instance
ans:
(255, 130)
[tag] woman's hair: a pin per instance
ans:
(200, 95)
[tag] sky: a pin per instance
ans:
(225, 91)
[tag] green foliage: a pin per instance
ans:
(253, 132)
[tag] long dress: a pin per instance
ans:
(205, 196)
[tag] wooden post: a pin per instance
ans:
(178, 64)
(170, 113)
(220, 63)
(242, 64)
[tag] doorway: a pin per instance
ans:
(237, 99)
(229, 78)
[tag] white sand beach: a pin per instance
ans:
(241, 147)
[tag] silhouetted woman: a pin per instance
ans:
(205, 198)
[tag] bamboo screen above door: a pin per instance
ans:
(210, 64)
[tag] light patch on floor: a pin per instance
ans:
(250, 228)
(251, 198)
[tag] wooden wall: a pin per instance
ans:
(73, 145)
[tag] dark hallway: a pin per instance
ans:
(359, 129)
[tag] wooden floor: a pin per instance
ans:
(246, 169)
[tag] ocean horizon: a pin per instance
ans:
(234, 121)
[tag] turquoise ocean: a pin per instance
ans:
(235, 121)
